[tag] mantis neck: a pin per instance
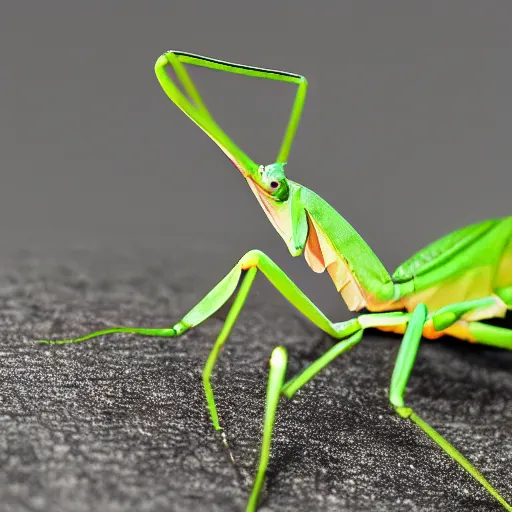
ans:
(334, 245)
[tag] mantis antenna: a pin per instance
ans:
(197, 111)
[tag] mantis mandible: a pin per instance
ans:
(447, 288)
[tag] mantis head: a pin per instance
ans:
(279, 199)
(270, 181)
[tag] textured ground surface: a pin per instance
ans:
(121, 425)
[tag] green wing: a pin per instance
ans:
(477, 245)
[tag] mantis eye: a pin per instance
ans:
(273, 181)
(279, 190)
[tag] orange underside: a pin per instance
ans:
(458, 330)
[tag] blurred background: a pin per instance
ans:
(406, 131)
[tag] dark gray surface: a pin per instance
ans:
(406, 131)
(121, 424)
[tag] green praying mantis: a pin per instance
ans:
(448, 288)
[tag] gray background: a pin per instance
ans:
(406, 131)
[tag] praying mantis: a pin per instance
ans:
(448, 288)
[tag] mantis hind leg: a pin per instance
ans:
(449, 320)
(492, 335)
(403, 367)
(405, 361)
(481, 333)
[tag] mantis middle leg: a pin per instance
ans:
(251, 262)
